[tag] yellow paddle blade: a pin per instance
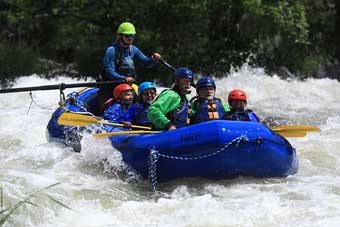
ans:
(295, 130)
(124, 133)
(293, 134)
(74, 119)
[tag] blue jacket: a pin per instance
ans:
(119, 62)
(246, 115)
(114, 113)
(137, 114)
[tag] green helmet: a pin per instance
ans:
(126, 28)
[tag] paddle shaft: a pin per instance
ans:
(60, 86)
(74, 119)
(63, 86)
(284, 130)
(172, 69)
(122, 125)
(104, 134)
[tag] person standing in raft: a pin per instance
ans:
(238, 101)
(137, 113)
(171, 108)
(119, 61)
(123, 98)
(205, 106)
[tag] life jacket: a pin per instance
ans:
(141, 118)
(123, 63)
(207, 110)
(246, 115)
(180, 117)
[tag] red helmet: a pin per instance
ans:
(237, 94)
(119, 89)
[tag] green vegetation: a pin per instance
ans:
(208, 36)
(5, 214)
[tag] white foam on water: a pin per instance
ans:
(101, 192)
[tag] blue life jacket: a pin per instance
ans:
(179, 118)
(140, 116)
(207, 110)
(124, 63)
(246, 115)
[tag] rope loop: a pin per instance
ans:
(155, 155)
(153, 158)
(73, 100)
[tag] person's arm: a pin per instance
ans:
(253, 117)
(257, 118)
(193, 105)
(225, 106)
(109, 65)
(166, 102)
(144, 60)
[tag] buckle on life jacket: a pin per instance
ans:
(212, 111)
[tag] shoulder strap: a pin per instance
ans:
(218, 99)
(105, 105)
(119, 58)
(193, 98)
(160, 94)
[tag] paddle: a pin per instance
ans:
(74, 119)
(103, 134)
(171, 68)
(295, 130)
(61, 86)
(284, 130)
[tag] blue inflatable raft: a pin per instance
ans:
(215, 149)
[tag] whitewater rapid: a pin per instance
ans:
(105, 194)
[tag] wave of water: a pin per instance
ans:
(105, 194)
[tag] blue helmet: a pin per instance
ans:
(184, 73)
(206, 81)
(144, 86)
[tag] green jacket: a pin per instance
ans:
(166, 102)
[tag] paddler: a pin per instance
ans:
(205, 106)
(119, 61)
(171, 108)
(238, 101)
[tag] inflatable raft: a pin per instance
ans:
(215, 149)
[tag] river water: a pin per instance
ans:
(105, 194)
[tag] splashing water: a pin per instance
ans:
(103, 192)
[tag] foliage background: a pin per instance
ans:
(51, 37)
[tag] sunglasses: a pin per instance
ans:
(129, 35)
(149, 93)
